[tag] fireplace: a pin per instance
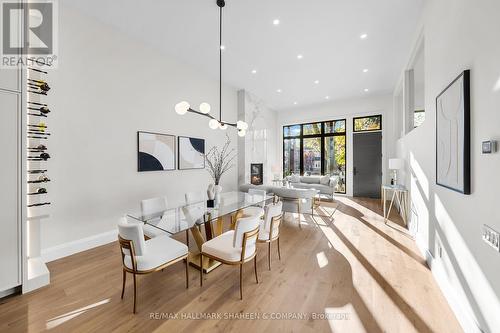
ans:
(256, 173)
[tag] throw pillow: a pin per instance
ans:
(324, 180)
(295, 178)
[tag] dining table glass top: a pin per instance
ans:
(175, 220)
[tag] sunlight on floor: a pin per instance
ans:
(322, 259)
(56, 321)
(344, 319)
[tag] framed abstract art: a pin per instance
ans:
(191, 153)
(155, 152)
(453, 135)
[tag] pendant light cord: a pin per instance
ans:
(220, 64)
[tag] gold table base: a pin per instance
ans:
(208, 264)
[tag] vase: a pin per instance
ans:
(218, 191)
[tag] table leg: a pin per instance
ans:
(385, 202)
(194, 257)
(390, 206)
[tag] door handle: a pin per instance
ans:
(354, 171)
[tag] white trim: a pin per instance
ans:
(67, 249)
(464, 317)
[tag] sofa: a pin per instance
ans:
(325, 184)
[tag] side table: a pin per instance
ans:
(400, 194)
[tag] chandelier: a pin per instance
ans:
(184, 107)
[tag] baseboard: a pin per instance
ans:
(464, 317)
(67, 249)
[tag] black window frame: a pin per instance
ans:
(362, 117)
(322, 136)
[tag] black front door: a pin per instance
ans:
(367, 164)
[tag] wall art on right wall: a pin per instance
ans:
(453, 135)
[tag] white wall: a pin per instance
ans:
(107, 87)
(345, 109)
(260, 143)
(459, 35)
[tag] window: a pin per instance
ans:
(335, 156)
(418, 118)
(291, 156)
(312, 156)
(365, 124)
(316, 149)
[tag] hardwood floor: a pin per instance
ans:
(365, 275)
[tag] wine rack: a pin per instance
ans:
(37, 134)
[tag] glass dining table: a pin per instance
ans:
(198, 216)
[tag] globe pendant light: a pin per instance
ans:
(184, 107)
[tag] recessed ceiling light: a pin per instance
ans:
(316, 82)
(327, 97)
(366, 90)
(276, 22)
(365, 70)
(254, 71)
(294, 103)
(363, 36)
(222, 47)
(278, 90)
(300, 56)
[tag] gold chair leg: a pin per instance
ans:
(269, 254)
(255, 268)
(241, 281)
(187, 272)
(124, 279)
(201, 269)
(279, 253)
(135, 293)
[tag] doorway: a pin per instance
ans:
(367, 164)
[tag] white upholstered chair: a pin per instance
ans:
(269, 228)
(152, 206)
(234, 247)
(194, 197)
(256, 210)
(141, 256)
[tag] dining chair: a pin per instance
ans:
(269, 228)
(152, 206)
(141, 256)
(256, 210)
(234, 247)
(194, 197)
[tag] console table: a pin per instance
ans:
(400, 194)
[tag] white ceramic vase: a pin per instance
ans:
(218, 191)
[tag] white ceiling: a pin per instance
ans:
(325, 32)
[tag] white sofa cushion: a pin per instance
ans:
(222, 247)
(333, 181)
(324, 180)
(294, 178)
(160, 250)
(310, 179)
